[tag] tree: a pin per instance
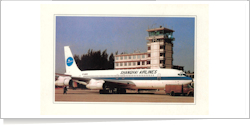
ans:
(77, 59)
(95, 60)
(111, 62)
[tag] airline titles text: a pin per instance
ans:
(140, 72)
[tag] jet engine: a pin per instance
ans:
(95, 84)
(63, 81)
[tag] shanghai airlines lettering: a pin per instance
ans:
(139, 72)
(129, 72)
(148, 72)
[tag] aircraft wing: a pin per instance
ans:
(115, 83)
(118, 83)
(121, 84)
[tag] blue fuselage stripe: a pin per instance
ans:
(145, 78)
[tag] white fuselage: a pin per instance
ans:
(142, 78)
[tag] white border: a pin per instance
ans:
(125, 109)
(20, 88)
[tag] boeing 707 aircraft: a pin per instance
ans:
(118, 81)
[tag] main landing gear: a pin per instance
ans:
(113, 91)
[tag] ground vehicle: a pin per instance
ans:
(173, 90)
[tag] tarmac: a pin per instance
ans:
(85, 95)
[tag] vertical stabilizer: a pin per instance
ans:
(71, 67)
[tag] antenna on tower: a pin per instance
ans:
(153, 25)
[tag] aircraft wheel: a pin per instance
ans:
(118, 90)
(105, 86)
(121, 91)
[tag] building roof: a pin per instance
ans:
(161, 28)
(130, 54)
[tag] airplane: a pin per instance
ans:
(118, 81)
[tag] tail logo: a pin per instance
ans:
(69, 61)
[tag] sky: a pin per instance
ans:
(122, 34)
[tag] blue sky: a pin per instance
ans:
(122, 34)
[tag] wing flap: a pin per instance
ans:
(121, 84)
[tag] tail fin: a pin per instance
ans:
(71, 67)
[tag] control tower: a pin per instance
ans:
(160, 47)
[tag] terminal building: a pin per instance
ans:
(159, 52)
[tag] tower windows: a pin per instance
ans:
(162, 54)
(162, 62)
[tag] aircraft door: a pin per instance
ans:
(117, 76)
(159, 76)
